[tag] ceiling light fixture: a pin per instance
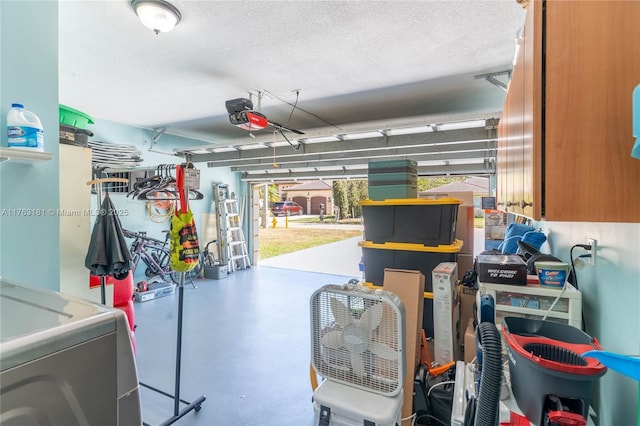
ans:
(157, 15)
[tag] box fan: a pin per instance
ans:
(357, 346)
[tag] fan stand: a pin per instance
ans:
(197, 403)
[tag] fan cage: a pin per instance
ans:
(381, 375)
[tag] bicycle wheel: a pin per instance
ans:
(175, 277)
(207, 259)
(135, 258)
(160, 259)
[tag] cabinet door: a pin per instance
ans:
(532, 112)
(510, 141)
(592, 62)
(501, 166)
(515, 156)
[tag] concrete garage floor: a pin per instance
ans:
(246, 343)
(246, 346)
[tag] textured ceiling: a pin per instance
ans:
(354, 63)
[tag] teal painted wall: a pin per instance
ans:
(29, 245)
(29, 251)
(611, 303)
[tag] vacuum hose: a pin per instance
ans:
(487, 411)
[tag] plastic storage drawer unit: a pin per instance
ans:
(411, 221)
(533, 301)
(414, 257)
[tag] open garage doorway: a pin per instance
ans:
(303, 242)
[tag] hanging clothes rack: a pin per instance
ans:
(98, 182)
(197, 403)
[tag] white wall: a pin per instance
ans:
(611, 303)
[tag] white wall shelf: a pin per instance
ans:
(24, 156)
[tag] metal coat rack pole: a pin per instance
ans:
(98, 183)
(197, 403)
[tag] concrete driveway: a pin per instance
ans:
(339, 258)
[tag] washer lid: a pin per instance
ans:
(36, 322)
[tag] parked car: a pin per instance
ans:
(286, 208)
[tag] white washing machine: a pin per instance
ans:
(64, 361)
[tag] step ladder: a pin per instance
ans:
(237, 253)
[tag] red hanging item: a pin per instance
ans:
(185, 247)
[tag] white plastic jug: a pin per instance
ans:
(24, 129)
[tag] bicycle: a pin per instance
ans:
(208, 259)
(153, 253)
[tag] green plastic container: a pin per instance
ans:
(73, 117)
(386, 192)
(393, 166)
(382, 179)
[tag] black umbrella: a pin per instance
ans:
(108, 253)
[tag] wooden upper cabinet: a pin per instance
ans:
(569, 114)
(531, 121)
(501, 166)
(511, 154)
(515, 149)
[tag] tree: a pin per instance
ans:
(425, 183)
(273, 193)
(357, 191)
(340, 197)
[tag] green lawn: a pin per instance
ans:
(277, 241)
(280, 240)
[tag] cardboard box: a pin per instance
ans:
(495, 226)
(496, 232)
(467, 297)
(469, 342)
(465, 262)
(502, 269)
(465, 228)
(446, 315)
(409, 287)
(466, 197)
